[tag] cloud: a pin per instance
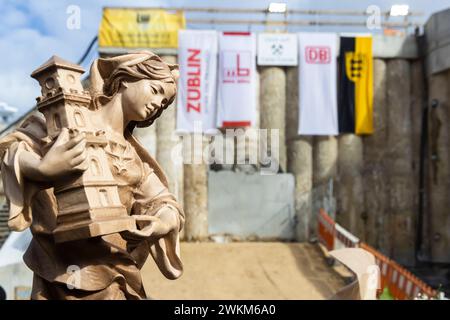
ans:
(14, 19)
(25, 50)
(7, 113)
(30, 34)
(32, 31)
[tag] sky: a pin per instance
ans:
(32, 31)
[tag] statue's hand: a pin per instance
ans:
(152, 227)
(66, 156)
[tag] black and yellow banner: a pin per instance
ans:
(140, 28)
(355, 93)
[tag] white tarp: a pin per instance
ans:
(15, 277)
(197, 58)
(237, 80)
(14, 247)
(317, 84)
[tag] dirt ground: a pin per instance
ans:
(252, 270)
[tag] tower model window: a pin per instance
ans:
(57, 121)
(79, 119)
(95, 167)
(104, 199)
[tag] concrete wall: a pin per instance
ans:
(437, 69)
(251, 205)
(437, 36)
(439, 168)
(368, 183)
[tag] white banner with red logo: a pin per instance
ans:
(317, 84)
(197, 57)
(237, 80)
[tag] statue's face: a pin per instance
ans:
(142, 99)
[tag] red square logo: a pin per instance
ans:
(318, 54)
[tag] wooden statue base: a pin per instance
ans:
(84, 230)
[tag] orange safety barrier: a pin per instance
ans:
(326, 230)
(383, 263)
(401, 283)
(344, 239)
(332, 235)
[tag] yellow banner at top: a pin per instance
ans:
(140, 28)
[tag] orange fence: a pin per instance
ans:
(327, 230)
(401, 283)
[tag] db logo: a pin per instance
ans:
(318, 55)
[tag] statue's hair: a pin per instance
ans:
(152, 69)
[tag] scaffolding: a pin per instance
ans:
(291, 17)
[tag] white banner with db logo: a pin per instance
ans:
(317, 84)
